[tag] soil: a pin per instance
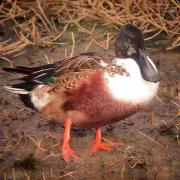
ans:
(30, 143)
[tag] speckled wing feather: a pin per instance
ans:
(71, 72)
(71, 80)
(83, 62)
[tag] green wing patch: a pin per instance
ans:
(48, 80)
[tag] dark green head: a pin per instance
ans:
(130, 44)
(128, 41)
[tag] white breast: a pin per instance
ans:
(132, 88)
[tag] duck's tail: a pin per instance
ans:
(30, 78)
(15, 90)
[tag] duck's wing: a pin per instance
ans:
(46, 74)
(84, 62)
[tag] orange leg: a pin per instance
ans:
(98, 145)
(66, 149)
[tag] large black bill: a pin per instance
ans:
(148, 72)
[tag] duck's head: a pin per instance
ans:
(130, 44)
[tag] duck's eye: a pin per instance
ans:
(131, 41)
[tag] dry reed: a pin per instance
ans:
(43, 22)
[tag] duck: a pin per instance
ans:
(92, 89)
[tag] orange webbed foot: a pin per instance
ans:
(101, 146)
(98, 145)
(67, 151)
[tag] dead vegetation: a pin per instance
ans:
(42, 23)
(29, 162)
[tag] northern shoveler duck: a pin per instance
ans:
(92, 89)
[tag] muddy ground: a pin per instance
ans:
(30, 143)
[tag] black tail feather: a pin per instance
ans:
(27, 101)
(19, 88)
(19, 69)
(28, 86)
(35, 74)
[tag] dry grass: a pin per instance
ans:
(43, 22)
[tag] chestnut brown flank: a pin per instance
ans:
(96, 104)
